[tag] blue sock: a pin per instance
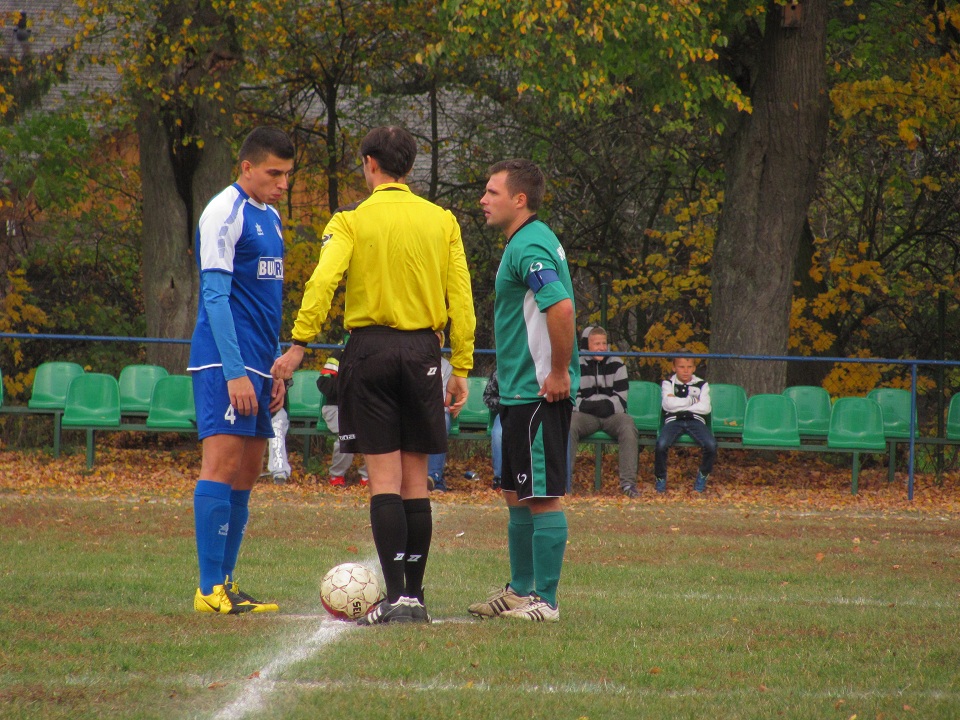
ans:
(239, 513)
(211, 515)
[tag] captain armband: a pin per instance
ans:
(538, 276)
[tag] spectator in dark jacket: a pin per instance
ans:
(602, 405)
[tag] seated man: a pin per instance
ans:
(602, 405)
(686, 407)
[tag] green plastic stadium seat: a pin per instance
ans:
(729, 405)
(953, 418)
(475, 415)
(136, 387)
(49, 393)
(304, 399)
(856, 423)
(93, 401)
(321, 423)
(643, 405)
(50, 385)
(771, 420)
(813, 409)
(171, 405)
(895, 404)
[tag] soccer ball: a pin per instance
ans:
(349, 590)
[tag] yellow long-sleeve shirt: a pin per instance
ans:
(406, 270)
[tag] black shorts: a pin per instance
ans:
(391, 392)
(535, 438)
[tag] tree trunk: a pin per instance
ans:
(185, 159)
(170, 279)
(773, 159)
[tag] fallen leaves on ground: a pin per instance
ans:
(741, 479)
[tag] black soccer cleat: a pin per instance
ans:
(386, 612)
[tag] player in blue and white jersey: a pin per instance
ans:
(239, 248)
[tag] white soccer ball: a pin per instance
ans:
(349, 590)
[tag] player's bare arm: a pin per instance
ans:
(560, 328)
(277, 393)
(242, 396)
(284, 366)
(457, 391)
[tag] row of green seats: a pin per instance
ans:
(812, 404)
(97, 398)
(93, 400)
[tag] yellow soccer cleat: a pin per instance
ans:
(247, 600)
(221, 600)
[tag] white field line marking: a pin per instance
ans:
(256, 688)
(620, 689)
(252, 698)
(800, 600)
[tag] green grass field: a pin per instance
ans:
(674, 610)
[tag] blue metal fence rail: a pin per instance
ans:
(912, 364)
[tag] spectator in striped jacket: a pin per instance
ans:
(602, 405)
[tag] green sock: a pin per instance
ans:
(520, 543)
(549, 543)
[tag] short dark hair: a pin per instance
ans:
(263, 141)
(523, 176)
(393, 147)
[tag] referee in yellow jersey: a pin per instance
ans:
(406, 278)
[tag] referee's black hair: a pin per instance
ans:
(263, 141)
(393, 147)
(523, 176)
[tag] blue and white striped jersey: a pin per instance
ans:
(241, 238)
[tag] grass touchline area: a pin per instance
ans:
(684, 608)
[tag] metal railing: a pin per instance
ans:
(909, 366)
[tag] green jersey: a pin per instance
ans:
(533, 275)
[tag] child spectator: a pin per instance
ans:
(686, 407)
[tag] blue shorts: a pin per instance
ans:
(215, 414)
